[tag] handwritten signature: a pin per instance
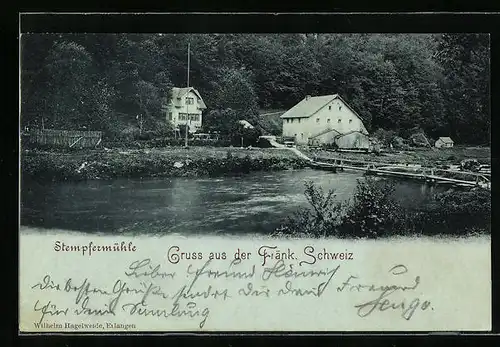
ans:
(384, 301)
(147, 290)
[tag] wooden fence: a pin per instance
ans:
(65, 138)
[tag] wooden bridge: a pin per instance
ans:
(427, 174)
(409, 171)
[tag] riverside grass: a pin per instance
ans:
(168, 162)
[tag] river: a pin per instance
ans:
(253, 203)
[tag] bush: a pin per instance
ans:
(321, 219)
(129, 133)
(145, 135)
(385, 137)
(373, 211)
(470, 165)
(454, 212)
(264, 143)
(162, 142)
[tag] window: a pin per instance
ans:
(302, 135)
(170, 116)
(189, 101)
(330, 107)
(192, 117)
(292, 120)
(328, 120)
(298, 120)
(340, 120)
(288, 120)
(340, 107)
(317, 120)
(350, 120)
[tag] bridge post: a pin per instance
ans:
(432, 180)
(369, 169)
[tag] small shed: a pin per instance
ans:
(268, 137)
(353, 140)
(326, 137)
(245, 124)
(444, 142)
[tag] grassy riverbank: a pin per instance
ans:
(209, 161)
(166, 162)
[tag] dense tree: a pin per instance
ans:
(235, 90)
(466, 64)
(396, 82)
(71, 93)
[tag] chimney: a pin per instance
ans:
(308, 97)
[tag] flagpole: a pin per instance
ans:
(187, 104)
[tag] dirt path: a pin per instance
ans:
(294, 150)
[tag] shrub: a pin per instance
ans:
(373, 211)
(385, 137)
(161, 142)
(129, 133)
(264, 143)
(321, 219)
(454, 212)
(145, 135)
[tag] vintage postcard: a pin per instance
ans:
(254, 182)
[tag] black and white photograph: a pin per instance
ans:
(352, 146)
(208, 133)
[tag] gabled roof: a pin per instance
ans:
(445, 139)
(326, 131)
(273, 113)
(178, 93)
(349, 133)
(245, 124)
(310, 105)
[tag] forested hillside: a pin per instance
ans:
(439, 83)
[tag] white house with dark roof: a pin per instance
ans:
(324, 120)
(185, 107)
(444, 142)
